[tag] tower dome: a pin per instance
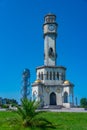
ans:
(38, 81)
(66, 82)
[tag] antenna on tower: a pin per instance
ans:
(26, 83)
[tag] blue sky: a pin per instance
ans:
(21, 41)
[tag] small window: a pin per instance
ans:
(53, 75)
(57, 75)
(51, 53)
(47, 75)
(50, 50)
(65, 97)
(41, 75)
(50, 75)
(62, 76)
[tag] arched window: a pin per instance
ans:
(53, 75)
(41, 75)
(50, 75)
(47, 75)
(62, 77)
(57, 75)
(51, 53)
(65, 97)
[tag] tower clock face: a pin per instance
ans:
(51, 27)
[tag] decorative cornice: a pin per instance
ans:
(41, 67)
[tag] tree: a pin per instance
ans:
(83, 102)
(10, 101)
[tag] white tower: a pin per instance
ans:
(50, 33)
(51, 87)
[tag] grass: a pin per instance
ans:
(62, 121)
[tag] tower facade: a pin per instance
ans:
(51, 87)
(50, 33)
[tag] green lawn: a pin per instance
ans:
(62, 121)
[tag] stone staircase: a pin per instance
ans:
(53, 107)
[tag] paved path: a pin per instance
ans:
(65, 110)
(59, 110)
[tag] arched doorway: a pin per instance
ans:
(65, 97)
(52, 98)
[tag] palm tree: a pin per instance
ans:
(29, 115)
(27, 111)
